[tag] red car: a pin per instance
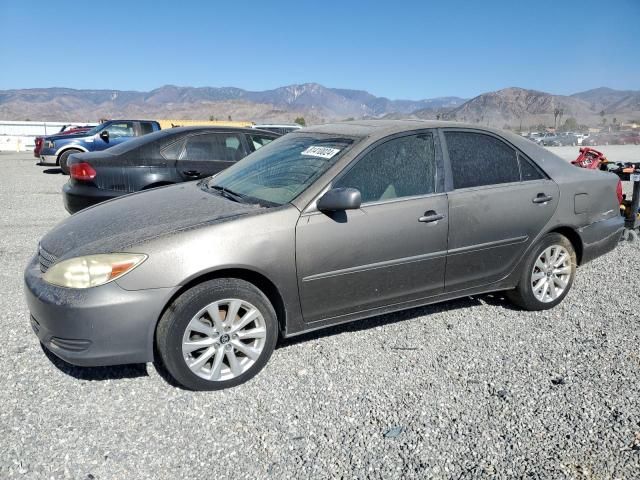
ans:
(65, 130)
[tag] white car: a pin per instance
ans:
(581, 137)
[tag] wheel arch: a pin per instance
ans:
(260, 281)
(66, 149)
(574, 237)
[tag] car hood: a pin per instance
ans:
(69, 136)
(125, 222)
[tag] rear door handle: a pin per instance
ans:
(191, 173)
(430, 216)
(542, 198)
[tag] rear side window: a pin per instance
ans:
(173, 150)
(527, 170)
(478, 159)
(214, 146)
(145, 127)
(402, 167)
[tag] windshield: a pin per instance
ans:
(283, 169)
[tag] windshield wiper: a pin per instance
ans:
(231, 195)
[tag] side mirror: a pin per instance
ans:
(338, 199)
(104, 135)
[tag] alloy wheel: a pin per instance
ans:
(224, 339)
(551, 273)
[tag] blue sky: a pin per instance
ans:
(395, 49)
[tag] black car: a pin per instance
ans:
(157, 159)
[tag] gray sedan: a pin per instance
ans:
(326, 225)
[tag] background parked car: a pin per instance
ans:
(161, 158)
(65, 130)
(629, 138)
(55, 149)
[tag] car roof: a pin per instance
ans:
(375, 130)
(364, 128)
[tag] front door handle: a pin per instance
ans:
(542, 198)
(431, 216)
(191, 173)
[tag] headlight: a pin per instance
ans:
(49, 144)
(92, 270)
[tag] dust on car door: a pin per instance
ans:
(498, 204)
(391, 250)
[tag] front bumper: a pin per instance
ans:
(601, 237)
(48, 160)
(77, 196)
(98, 326)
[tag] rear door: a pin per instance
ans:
(391, 250)
(499, 203)
(205, 154)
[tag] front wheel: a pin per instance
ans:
(547, 275)
(217, 335)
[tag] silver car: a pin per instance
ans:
(323, 226)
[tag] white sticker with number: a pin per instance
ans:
(322, 152)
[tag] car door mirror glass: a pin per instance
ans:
(339, 199)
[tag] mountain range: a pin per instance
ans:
(510, 106)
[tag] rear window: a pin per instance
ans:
(478, 159)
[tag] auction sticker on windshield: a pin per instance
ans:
(322, 152)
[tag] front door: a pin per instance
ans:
(500, 202)
(391, 250)
(118, 132)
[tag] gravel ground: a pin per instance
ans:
(465, 389)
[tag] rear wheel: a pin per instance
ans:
(547, 275)
(217, 335)
(63, 158)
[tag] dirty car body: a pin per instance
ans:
(391, 246)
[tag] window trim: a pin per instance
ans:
(440, 173)
(449, 170)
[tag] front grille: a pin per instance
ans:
(46, 259)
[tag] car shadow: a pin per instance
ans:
(496, 299)
(116, 372)
(52, 171)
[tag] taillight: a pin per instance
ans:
(619, 191)
(82, 171)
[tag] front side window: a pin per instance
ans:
(280, 171)
(214, 146)
(120, 129)
(402, 167)
(478, 159)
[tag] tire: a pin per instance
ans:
(544, 297)
(188, 335)
(62, 160)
